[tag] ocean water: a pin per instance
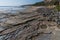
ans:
(7, 9)
(10, 9)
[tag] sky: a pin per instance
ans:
(17, 2)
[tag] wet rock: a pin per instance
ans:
(28, 26)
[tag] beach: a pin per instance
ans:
(33, 23)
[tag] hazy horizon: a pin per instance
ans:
(17, 2)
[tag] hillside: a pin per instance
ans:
(53, 2)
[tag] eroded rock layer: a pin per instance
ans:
(37, 25)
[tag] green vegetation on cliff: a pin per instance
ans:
(53, 2)
(39, 4)
(57, 7)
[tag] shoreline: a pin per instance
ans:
(32, 22)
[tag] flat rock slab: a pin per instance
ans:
(28, 25)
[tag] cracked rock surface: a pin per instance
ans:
(41, 24)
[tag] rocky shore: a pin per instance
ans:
(39, 24)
